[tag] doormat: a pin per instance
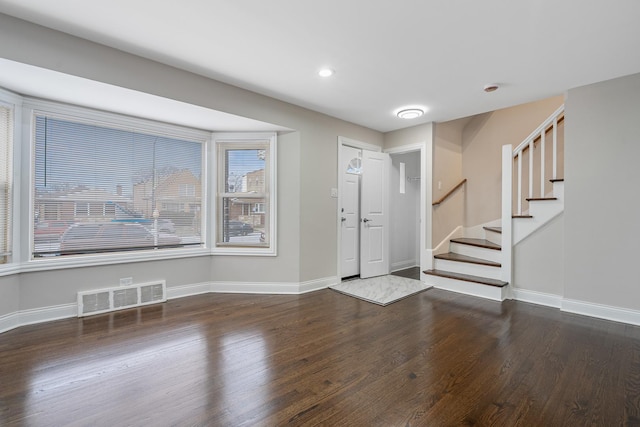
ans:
(381, 290)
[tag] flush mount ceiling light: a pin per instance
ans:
(491, 87)
(410, 113)
(326, 72)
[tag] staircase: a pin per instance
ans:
(479, 264)
(472, 266)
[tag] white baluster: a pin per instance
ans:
(531, 147)
(519, 183)
(555, 148)
(542, 139)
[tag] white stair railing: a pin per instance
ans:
(550, 124)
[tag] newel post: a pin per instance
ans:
(507, 194)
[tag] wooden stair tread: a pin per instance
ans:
(557, 180)
(540, 199)
(481, 243)
(467, 278)
(451, 256)
(494, 229)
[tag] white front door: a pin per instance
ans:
(350, 212)
(374, 224)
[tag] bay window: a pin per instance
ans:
(100, 185)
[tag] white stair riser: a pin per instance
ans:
(469, 288)
(558, 190)
(467, 268)
(544, 207)
(475, 251)
(493, 237)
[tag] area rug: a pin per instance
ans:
(381, 290)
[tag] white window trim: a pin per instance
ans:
(31, 107)
(249, 137)
(14, 101)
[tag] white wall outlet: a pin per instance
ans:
(439, 185)
(334, 192)
(126, 281)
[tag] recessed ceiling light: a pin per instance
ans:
(410, 113)
(326, 72)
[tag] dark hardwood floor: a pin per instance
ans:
(323, 358)
(411, 273)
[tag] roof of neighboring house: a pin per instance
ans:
(85, 195)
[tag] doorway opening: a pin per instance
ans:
(404, 198)
(401, 244)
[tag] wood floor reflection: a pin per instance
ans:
(322, 358)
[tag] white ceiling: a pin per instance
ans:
(387, 54)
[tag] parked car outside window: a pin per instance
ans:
(83, 238)
(239, 228)
(50, 231)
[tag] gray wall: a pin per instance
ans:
(307, 161)
(539, 260)
(602, 224)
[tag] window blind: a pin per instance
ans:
(102, 189)
(6, 177)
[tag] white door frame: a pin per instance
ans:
(343, 141)
(426, 195)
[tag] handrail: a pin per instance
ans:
(548, 129)
(538, 131)
(443, 198)
(538, 135)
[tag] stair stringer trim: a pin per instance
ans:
(443, 246)
(542, 212)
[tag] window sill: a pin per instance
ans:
(246, 251)
(59, 263)
(55, 263)
(9, 269)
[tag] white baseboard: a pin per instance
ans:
(255, 288)
(9, 321)
(37, 315)
(403, 265)
(317, 284)
(600, 311)
(188, 290)
(443, 246)
(272, 287)
(590, 309)
(540, 298)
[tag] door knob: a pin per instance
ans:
(365, 220)
(343, 219)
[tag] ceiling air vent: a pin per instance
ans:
(120, 297)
